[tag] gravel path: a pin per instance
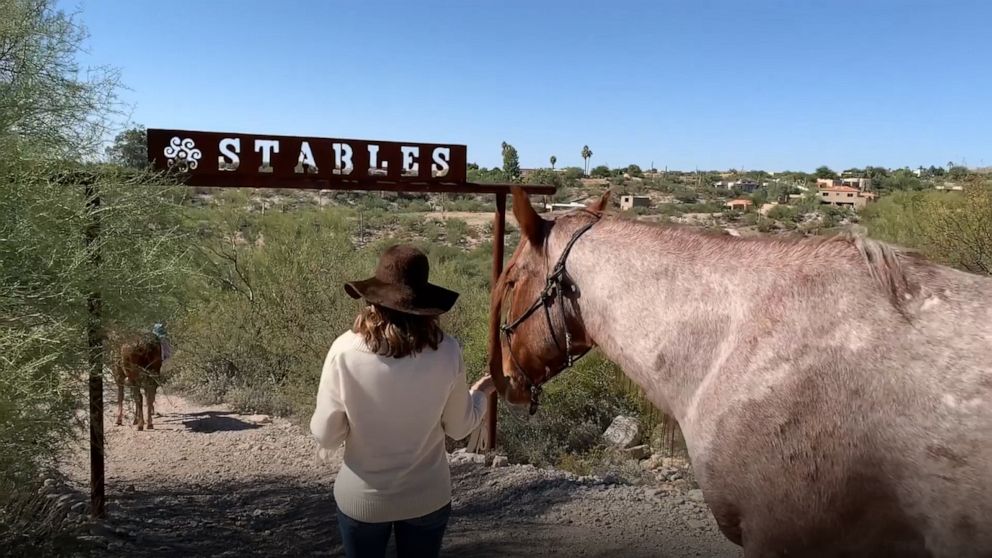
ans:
(209, 482)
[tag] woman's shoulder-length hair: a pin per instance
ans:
(397, 334)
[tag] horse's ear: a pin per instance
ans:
(532, 227)
(601, 204)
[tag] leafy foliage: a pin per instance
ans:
(783, 213)
(482, 175)
(686, 196)
(511, 162)
(130, 148)
(957, 172)
(47, 100)
(602, 171)
(557, 179)
(898, 180)
(263, 318)
(825, 172)
(573, 173)
(576, 408)
(51, 121)
(953, 228)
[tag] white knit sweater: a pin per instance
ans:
(392, 415)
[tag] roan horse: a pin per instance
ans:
(138, 364)
(835, 394)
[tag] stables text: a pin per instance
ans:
(251, 156)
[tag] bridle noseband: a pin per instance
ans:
(554, 288)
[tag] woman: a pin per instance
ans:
(391, 388)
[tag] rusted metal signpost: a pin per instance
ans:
(216, 159)
(94, 343)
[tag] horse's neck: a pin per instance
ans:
(662, 313)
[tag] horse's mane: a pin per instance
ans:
(886, 264)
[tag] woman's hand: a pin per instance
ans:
(485, 385)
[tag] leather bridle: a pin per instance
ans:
(554, 288)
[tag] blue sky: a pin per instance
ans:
(710, 84)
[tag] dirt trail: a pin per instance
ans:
(209, 482)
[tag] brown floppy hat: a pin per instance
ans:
(400, 284)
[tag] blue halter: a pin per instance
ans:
(158, 330)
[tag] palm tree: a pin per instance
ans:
(553, 161)
(586, 155)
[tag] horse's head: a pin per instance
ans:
(536, 329)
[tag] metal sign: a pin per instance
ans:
(269, 161)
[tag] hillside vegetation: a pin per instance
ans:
(268, 302)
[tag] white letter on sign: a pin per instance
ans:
(410, 165)
(374, 169)
(342, 158)
(306, 160)
(442, 156)
(229, 147)
(267, 147)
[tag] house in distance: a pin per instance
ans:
(630, 202)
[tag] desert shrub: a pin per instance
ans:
(45, 280)
(484, 175)
(687, 196)
(783, 213)
(576, 407)
(702, 208)
(669, 209)
(456, 230)
(952, 228)
(53, 116)
(433, 231)
(418, 206)
(601, 171)
(765, 225)
(263, 318)
(372, 201)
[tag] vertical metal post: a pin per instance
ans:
(94, 338)
(499, 229)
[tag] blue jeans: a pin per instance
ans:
(415, 538)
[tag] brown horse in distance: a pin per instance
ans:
(835, 394)
(138, 364)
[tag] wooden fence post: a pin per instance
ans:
(499, 228)
(94, 339)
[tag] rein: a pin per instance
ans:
(554, 288)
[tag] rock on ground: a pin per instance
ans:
(638, 452)
(210, 482)
(622, 432)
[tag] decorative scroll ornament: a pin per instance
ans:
(183, 152)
